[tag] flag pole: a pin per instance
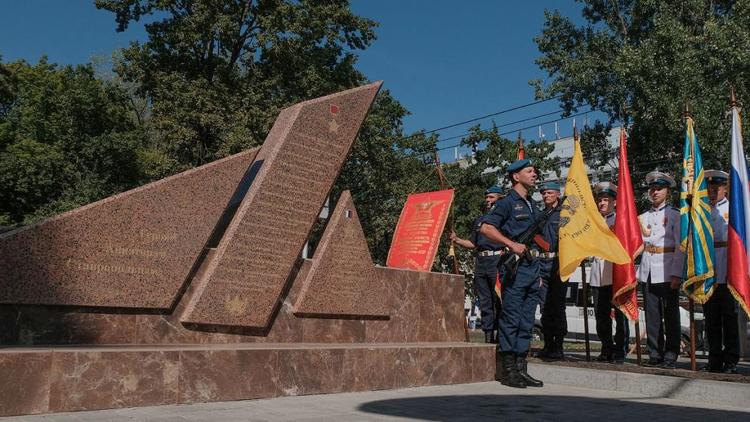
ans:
(585, 311)
(452, 248)
(638, 341)
(639, 358)
(583, 283)
(626, 183)
(691, 302)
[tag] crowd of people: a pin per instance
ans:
(529, 274)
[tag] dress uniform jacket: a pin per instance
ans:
(601, 270)
(722, 328)
(720, 224)
(661, 257)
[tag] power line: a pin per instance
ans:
(517, 122)
(507, 110)
(493, 114)
(515, 130)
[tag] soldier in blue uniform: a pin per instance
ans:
(552, 292)
(485, 266)
(509, 218)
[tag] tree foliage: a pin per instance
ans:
(66, 139)
(217, 72)
(641, 61)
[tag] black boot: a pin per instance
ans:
(544, 353)
(523, 370)
(605, 356)
(557, 350)
(510, 375)
(488, 337)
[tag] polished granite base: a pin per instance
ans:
(422, 307)
(62, 379)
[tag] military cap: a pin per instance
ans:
(717, 176)
(551, 185)
(494, 189)
(657, 178)
(518, 165)
(605, 188)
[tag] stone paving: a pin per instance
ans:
(489, 401)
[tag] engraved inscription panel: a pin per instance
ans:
(302, 157)
(132, 250)
(342, 280)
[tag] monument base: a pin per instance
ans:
(75, 378)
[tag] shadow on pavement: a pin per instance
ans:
(488, 407)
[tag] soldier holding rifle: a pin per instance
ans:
(510, 220)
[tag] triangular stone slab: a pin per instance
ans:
(132, 250)
(342, 281)
(259, 251)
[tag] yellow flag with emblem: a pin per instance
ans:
(583, 231)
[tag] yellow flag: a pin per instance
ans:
(583, 231)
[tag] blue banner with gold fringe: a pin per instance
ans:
(697, 236)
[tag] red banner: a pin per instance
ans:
(628, 230)
(417, 236)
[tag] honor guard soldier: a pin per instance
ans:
(510, 218)
(552, 292)
(485, 266)
(661, 271)
(720, 311)
(601, 283)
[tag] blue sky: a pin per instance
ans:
(446, 61)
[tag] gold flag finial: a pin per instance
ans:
(732, 98)
(686, 112)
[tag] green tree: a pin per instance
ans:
(66, 139)
(218, 71)
(641, 61)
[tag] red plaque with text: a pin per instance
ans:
(417, 235)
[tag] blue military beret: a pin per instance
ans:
(717, 176)
(494, 189)
(551, 185)
(518, 165)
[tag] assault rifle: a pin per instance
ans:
(510, 260)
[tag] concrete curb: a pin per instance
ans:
(653, 386)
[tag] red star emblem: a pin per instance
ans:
(334, 109)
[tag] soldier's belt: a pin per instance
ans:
(489, 253)
(720, 244)
(543, 255)
(659, 249)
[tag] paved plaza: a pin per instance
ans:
(487, 401)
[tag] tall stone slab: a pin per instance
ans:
(132, 250)
(297, 166)
(342, 281)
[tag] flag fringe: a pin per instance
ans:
(738, 297)
(691, 282)
(622, 306)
